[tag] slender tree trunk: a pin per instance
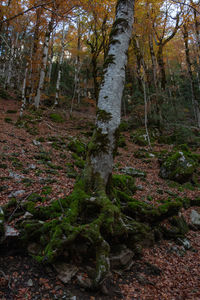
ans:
(60, 65)
(51, 59)
(23, 92)
(34, 57)
(153, 60)
(44, 62)
(146, 113)
(78, 65)
(10, 64)
(103, 145)
(197, 34)
(161, 66)
(188, 61)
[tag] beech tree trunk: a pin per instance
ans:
(44, 62)
(102, 147)
(60, 65)
(188, 61)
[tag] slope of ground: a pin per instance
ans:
(34, 157)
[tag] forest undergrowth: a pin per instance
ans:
(40, 159)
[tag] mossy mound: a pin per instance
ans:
(179, 165)
(57, 118)
(139, 137)
(77, 146)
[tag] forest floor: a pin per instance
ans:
(163, 272)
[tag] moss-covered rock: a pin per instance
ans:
(177, 228)
(133, 172)
(139, 137)
(178, 166)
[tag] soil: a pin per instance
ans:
(161, 273)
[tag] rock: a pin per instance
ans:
(140, 138)
(29, 282)
(83, 281)
(32, 167)
(185, 243)
(133, 172)
(140, 188)
(10, 231)
(27, 215)
(178, 166)
(16, 176)
(36, 143)
(65, 271)
(16, 194)
(122, 258)
(195, 218)
(179, 251)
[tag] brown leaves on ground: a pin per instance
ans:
(179, 277)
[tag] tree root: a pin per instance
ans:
(98, 220)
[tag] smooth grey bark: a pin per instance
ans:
(60, 64)
(44, 62)
(103, 145)
(23, 92)
(51, 58)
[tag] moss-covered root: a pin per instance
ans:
(102, 262)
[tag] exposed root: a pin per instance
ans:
(100, 221)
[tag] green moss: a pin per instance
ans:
(3, 166)
(43, 156)
(34, 197)
(124, 126)
(10, 111)
(109, 60)
(46, 190)
(57, 118)
(139, 137)
(99, 143)
(8, 120)
(71, 173)
(52, 166)
(103, 115)
(179, 166)
(77, 146)
(124, 183)
(80, 163)
(121, 141)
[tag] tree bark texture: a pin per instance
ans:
(44, 62)
(103, 145)
(188, 61)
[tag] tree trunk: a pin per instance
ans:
(60, 65)
(161, 66)
(103, 145)
(44, 62)
(23, 92)
(34, 56)
(194, 99)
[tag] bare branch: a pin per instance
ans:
(25, 11)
